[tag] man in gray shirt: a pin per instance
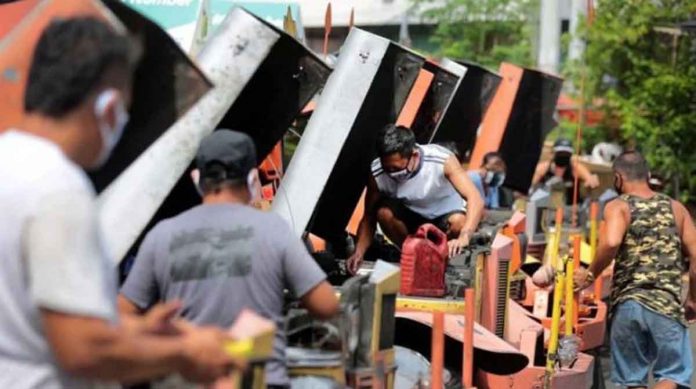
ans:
(224, 255)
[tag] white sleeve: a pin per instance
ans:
(67, 268)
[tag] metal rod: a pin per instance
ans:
(437, 354)
(469, 316)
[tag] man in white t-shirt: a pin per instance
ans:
(59, 326)
(413, 184)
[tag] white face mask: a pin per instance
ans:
(401, 175)
(254, 186)
(110, 135)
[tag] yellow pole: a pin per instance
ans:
(557, 233)
(569, 312)
(594, 232)
(555, 327)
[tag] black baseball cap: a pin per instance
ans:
(226, 154)
(563, 145)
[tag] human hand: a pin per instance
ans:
(159, 319)
(582, 278)
(205, 358)
(592, 182)
(690, 310)
(457, 245)
(354, 262)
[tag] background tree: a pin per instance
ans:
(484, 31)
(646, 77)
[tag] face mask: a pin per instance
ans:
(196, 178)
(561, 160)
(110, 135)
(617, 183)
(498, 180)
(254, 186)
(403, 174)
(494, 179)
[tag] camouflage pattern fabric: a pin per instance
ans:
(650, 263)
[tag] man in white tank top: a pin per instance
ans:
(411, 185)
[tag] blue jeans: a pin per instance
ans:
(641, 339)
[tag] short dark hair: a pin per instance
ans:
(632, 165)
(71, 59)
(490, 155)
(395, 139)
(215, 178)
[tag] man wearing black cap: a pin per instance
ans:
(563, 169)
(224, 255)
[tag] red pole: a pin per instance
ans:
(437, 355)
(468, 368)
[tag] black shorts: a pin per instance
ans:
(413, 220)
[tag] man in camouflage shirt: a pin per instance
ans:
(651, 237)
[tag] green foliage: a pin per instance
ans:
(647, 80)
(483, 31)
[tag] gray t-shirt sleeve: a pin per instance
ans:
(302, 273)
(67, 266)
(141, 284)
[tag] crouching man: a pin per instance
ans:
(414, 184)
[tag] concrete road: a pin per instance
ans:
(606, 368)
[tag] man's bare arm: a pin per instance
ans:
(92, 348)
(462, 183)
(367, 226)
(687, 232)
(590, 180)
(541, 169)
(321, 301)
(127, 307)
(616, 224)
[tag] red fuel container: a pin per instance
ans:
(423, 262)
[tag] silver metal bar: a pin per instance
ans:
(229, 59)
(328, 129)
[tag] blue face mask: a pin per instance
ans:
(494, 179)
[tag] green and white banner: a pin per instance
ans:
(272, 12)
(189, 22)
(185, 20)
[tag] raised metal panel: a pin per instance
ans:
(436, 102)
(166, 84)
(230, 59)
(531, 119)
(330, 167)
(471, 100)
(284, 83)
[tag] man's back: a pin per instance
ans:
(39, 180)
(220, 258)
(649, 263)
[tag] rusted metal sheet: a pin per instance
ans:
(517, 122)
(12, 12)
(491, 353)
(17, 48)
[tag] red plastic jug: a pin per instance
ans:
(423, 262)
